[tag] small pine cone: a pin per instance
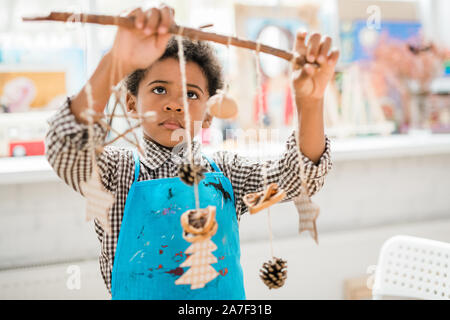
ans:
(274, 273)
(191, 174)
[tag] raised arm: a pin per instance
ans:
(132, 49)
(309, 82)
(67, 147)
(247, 175)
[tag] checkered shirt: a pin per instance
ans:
(67, 151)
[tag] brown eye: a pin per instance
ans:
(192, 95)
(159, 90)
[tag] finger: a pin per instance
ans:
(323, 50)
(313, 47)
(309, 69)
(166, 19)
(153, 18)
(299, 44)
(139, 17)
(303, 79)
(333, 57)
(129, 12)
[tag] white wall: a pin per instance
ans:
(365, 200)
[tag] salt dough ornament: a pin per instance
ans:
(191, 173)
(260, 200)
(99, 201)
(222, 106)
(198, 228)
(308, 212)
(274, 273)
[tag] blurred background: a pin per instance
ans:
(387, 112)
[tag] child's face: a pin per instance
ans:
(161, 91)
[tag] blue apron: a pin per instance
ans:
(151, 248)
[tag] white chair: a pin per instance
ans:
(410, 267)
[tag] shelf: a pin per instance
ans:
(26, 170)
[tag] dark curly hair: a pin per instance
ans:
(199, 52)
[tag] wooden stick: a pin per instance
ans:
(191, 33)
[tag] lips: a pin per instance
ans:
(171, 124)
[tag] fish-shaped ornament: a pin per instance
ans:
(260, 200)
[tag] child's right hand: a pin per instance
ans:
(138, 48)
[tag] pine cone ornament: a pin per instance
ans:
(191, 173)
(274, 273)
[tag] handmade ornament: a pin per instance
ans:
(308, 212)
(200, 260)
(99, 201)
(190, 173)
(222, 106)
(198, 228)
(260, 200)
(274, 273)
(199, 221)
(306, 209)
(199, 224)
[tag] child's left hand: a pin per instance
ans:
(310, 80)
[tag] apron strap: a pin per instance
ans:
(212, 163)
(137, 165)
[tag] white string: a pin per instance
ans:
(259, 84)
(90, 101)
(297, 131)
(227, 75)
(90, 118)
(260, 125)
(260, 103)
(269, 222)
(187, 117)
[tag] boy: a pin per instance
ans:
(140, 258)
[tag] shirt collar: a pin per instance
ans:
(156, 155)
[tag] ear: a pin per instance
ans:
(131, 104)
(207, 120)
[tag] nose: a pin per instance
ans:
(176, 108)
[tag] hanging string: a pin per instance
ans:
(90, 101)
(259, 83)
(187, 117)
(260, 104)
(227, 75)
(112, 86)
(90, 118)
(269, 222)
(260, 125)
(298, 116)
